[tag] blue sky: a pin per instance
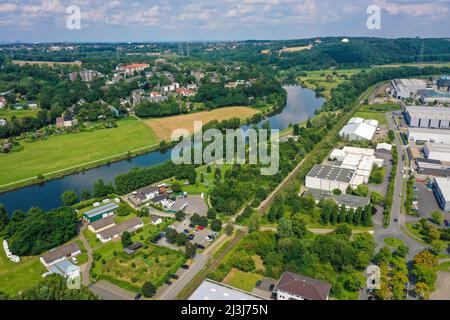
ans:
(160, 20)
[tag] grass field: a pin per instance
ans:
(15, 277)
(131, 272)
(379, 116)
(163, 127)
(323, 81)
(242, 280)
(8, 113)
(297, 49)
(62, 152)
(394, 242)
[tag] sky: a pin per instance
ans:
(201, 20)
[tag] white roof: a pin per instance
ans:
(357, 180)
(338, 153)
(366, 163)
(352, 160)
(437, 113)
(361, 151)
(438, 147)
(355, 120)
(363, 173)
(362, 130)
(211, 290)
(444, 186)
(385, 146)
(371, 122)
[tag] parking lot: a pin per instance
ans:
(427, 201)
(195, 204)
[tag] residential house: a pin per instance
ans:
(59, 254)
(185, 92)
(131, 68)
(102, 224)
(156, 220)
(65, 268)
(116, 231)
(143, 195)
(292, 286)
(65, 121)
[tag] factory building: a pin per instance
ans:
(328, 178)
(427, 117)
(435, 151)
(358, 129)
(441, 189)
(432, 96)
(432, 168)
(429, 135)
(406, 88)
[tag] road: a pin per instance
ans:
(86, 268)
(109, 291)
(170, 292)
(397, 218)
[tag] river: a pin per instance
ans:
(301, 105)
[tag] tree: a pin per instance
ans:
(216, 225)
(437, 217)
(181, 239)
(437, 246)
(402, 251)
(190, 249)
(229, 229)
(337, 192)
(284, 228)
(180, 215)
(148, 289)
(69, 198)
(344, 229)
(85, 194)
(423, 290)
(4, 219)
(254, 224)
(100, 189)
(376, 198)
(126, 239)
(362, 190)
(211, 213)
(383, 256)
(299, 226)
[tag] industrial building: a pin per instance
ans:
(432, 96)
(358, 129)
(329, 178)
(441, 189)
(361, 160)
(427, 117)
(436, 151)
(429, 135)
(212, 290)
(406, 88)
(443, 83)
(432, 168)
(348, 200)
(100, 212)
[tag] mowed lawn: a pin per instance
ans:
(65, 151)
(163, 127)
(8, 114)
(242, 280)
(379, 116)
(16, 277)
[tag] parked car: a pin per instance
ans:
(174, 276)
(162, 234)
(138, 296)
(168, 282)
(185, 231)
(185, 266)
(201, 247)
(447, 223)
(74, 260)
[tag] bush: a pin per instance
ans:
(216, 225)
(148, 289)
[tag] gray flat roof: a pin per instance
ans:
(331, 173)
(437, 113)
(212, 290)
(343, 199)
(106, 208)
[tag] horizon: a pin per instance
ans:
(46, 21)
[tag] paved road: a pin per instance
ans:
(170, 292)
(397, 218)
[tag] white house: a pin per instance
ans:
(292, 286)
(117, 230)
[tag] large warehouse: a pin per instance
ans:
(406, 88)
(429, 135)
(358, 129)
(442, 192)
(428, 117)
(435, 151)
(329, 178)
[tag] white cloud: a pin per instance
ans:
(7, 7)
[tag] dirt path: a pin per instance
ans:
(86, 268)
